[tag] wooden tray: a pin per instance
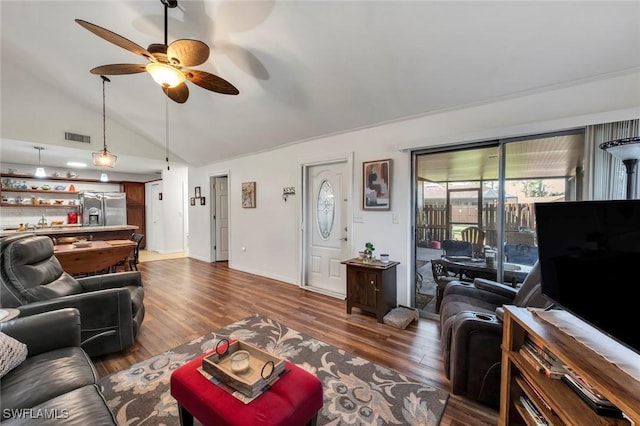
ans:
(264, 368)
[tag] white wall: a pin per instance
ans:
(270, 233)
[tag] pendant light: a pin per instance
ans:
(104, 158)
(104, 177)
(40, 173)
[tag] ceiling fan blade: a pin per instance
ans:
(187, 53)
(118, 69)
(179, 94)
(210, 82)
(114, 38)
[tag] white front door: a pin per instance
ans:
(326, 228)
(221, 219)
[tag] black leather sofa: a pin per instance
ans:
(57, 383)
(32, 280)
(471, 332)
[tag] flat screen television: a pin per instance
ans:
(589, 254)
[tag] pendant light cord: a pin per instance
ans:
(104, 116)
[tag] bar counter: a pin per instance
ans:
(115, 232)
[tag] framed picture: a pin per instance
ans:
(202, 202)
(376, 185)
(192, 201)
(248, 195)
(197, 192)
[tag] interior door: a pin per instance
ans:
(326, 228)
(221, 219)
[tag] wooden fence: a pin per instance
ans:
(433, 222)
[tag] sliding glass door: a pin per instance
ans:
(492, 186)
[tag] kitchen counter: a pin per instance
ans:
(97, 232)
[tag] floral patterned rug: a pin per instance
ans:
(356, 391)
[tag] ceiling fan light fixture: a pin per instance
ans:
(165, 75)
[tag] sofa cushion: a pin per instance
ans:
(45, 376)
(79, 407)
(12, 353)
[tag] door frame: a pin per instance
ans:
(211, 207)
(303, 240)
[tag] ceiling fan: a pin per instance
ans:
(166, 62)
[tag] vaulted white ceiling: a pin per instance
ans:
(304, 69)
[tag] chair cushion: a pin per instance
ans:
(12, 353)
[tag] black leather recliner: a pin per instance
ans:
(471, 332)
(32, 280)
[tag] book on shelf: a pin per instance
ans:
(531, 409)
(535, 391)
(540, 364)
(542, 351)
(607, 410)
(589, 390)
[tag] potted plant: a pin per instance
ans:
(368, 252)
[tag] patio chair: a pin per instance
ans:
(475, 236)
(442, 277)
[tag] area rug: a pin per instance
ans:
(356, 391)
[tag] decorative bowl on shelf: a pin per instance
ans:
(60, 187)
(59, 202)
(45, 187)
(34, 187)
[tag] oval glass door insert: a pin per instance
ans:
(325, 209)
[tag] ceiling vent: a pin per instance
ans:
(76, 137)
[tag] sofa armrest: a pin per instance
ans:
(115, 280)
(495, 287)
(97, 308)
(466, 290)
(46, 331)
(475, 356)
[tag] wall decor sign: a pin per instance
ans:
(376, 185)
(248, 195)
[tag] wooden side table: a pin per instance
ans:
(371, 287)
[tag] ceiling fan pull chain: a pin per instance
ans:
(166, 132)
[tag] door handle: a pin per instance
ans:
(343, 239)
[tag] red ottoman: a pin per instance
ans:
(294, 399)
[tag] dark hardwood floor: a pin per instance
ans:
(186, 298)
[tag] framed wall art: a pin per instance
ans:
(248, 195)
(197, 191)
(192, 201)
(202, 201)
(376, 185)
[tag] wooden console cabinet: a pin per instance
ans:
(371, 287)
(562, 406)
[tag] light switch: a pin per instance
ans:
(395, 218)
(358, 218)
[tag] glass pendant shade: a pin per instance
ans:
(165, 75)
(104, 177)
(104, 158)
(40, 173)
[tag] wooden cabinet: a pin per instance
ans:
(554, 399)
(371, 287)
(136, 211)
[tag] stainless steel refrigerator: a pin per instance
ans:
(103, 208)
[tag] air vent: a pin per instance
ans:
(75, 137)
